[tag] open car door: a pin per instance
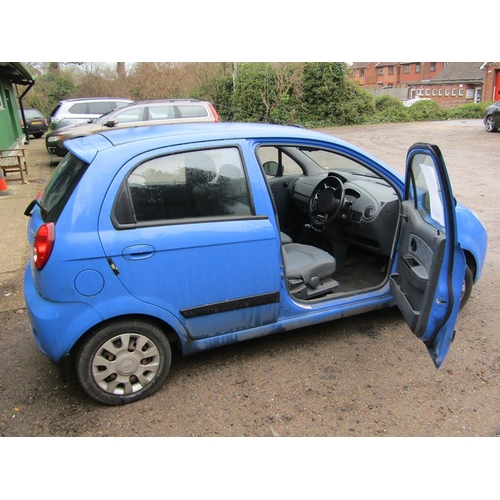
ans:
(430, 265)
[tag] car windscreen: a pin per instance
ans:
(61, 185)
(31, 114)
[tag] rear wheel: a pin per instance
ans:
(123, 362)
(490, 124)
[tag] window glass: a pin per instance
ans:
(425, 190)
(334, 162)
(99, 108)
(192, 111)
(119, 104)
(166, 112)
(287, 165)
(61, 185)
(78, 109)
(31, 114)
(206, 183)
(131, 115)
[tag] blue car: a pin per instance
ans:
(194, 236)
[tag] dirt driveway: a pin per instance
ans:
(361, 376)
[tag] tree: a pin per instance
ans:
(267, 92)
(331, 98)
(121, 70)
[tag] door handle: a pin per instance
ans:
(138, 252)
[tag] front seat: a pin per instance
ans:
(308, 270)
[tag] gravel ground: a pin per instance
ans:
(362, 376)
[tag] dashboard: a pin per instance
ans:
(369, 213)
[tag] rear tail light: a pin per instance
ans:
(214, 111)
(43, 245)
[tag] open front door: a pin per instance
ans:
(430, 265)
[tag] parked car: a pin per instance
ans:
(194, 236)
(492, 117)
(410, 102)
(138, 114)
(73, 111)
(36, 123)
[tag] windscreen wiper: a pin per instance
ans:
(29, 208)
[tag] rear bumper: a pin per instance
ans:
(57, 326)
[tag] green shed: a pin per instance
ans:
(12, 74)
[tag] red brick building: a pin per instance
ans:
(449, 84)
(491, 82)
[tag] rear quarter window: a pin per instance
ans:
(61, 186)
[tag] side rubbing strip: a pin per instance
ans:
(231, 305)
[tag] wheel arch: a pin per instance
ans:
(174, 338)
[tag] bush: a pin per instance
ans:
(471, 110)
(426, 111)
(390, 110)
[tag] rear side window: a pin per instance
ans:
(78, 109)
(189, 185)
(61, 185)
(192, 111)
(166, 112)
(99, 108)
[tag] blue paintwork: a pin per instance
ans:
(183, 265)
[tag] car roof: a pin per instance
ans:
(159, 102)
(79, 99)
(139, 139)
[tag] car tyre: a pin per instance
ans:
(37, 135)
(123, 362)
(466, 287)
(490, 124)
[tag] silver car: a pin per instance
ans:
(156, 112)
(74, 111)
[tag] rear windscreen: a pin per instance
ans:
(61, 185)
(54, 111)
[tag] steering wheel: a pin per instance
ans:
(327, 199)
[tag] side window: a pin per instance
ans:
(78, 109)
(100, 108)
(192, 111)
(424, 190)
(131, 115)
(195, 184)
(277, 163)
(166, 112)
(119, 104)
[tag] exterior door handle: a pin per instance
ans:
(138, 252)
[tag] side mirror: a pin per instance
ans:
(110, 123)
(271, 168)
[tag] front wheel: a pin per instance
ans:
(123, 362)
(490, 124)
(466, 287)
